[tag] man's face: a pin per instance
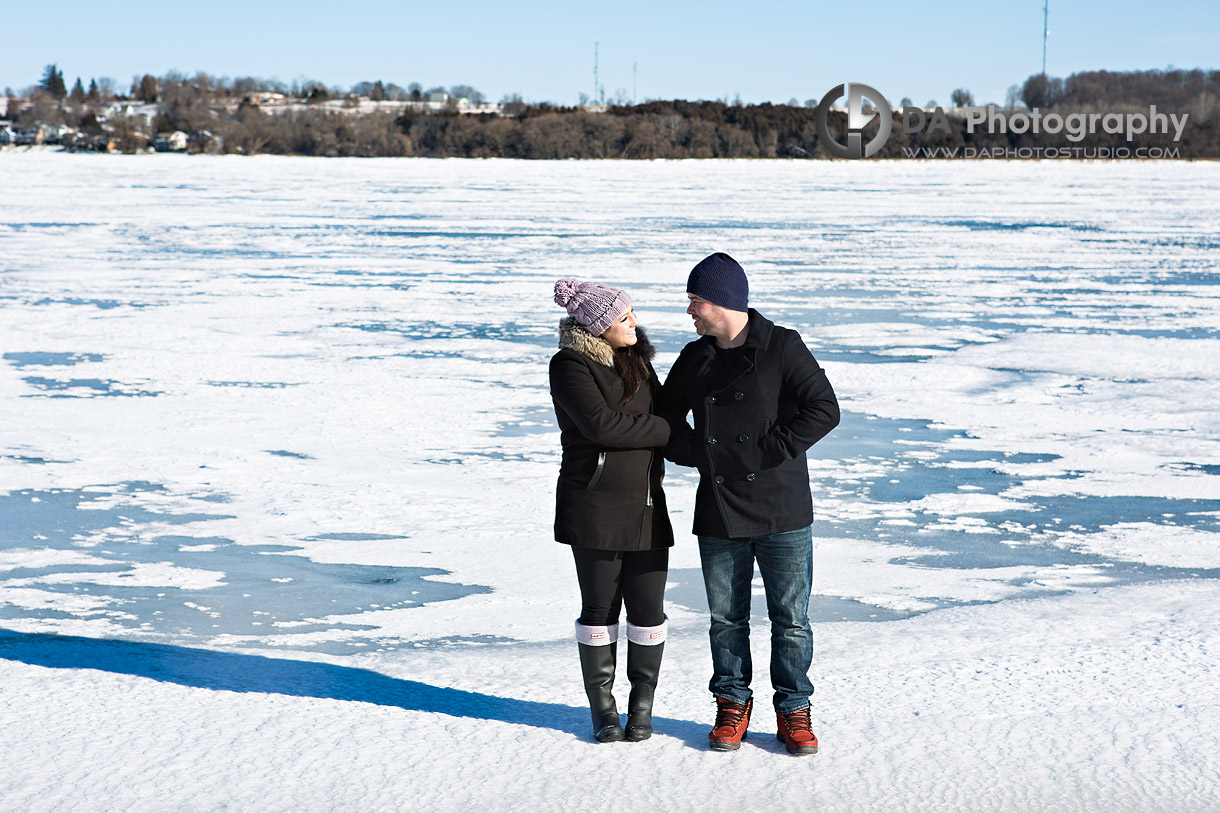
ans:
(710, 319)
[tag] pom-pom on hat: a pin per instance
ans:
(720, 280)
(594, 306)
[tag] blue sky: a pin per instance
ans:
(760, 51)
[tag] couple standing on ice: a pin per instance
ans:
(759, 400)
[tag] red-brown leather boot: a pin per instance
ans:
(796, 733)
(732, 719)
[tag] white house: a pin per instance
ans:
(170, 142)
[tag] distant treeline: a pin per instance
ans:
(217, 122)
(679, 129)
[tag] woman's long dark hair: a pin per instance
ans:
(631, 363)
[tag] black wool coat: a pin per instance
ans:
(609, 495)
(756, 411)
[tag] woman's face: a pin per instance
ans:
(622, 332)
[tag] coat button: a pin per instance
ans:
(737, 396)
(743, 437)
(751, 476)
(711, 440)
(711, 399)
(719, 479)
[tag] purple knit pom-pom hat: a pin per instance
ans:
(594, 306)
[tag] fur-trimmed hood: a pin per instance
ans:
(572, 336)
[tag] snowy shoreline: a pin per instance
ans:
(1089, 702)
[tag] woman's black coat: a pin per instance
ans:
(609, 495)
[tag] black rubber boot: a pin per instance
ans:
(598, 663)
(643, 668)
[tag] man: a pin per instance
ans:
(759, 401)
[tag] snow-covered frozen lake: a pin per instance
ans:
(276, 445)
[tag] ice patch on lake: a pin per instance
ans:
(343, 363)
(1160, 544)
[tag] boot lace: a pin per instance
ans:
(799, 721)
(729, 715)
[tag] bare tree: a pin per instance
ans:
(466, 92)
(512, 104)
(961, 98)
(43, 109)
(129, 133)
(315, 92)
(1040, 91)
(243, 85)
(145, 89)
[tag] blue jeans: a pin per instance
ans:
(785, 561)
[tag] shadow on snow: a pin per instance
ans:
(234, 672)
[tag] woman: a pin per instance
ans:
(609, 505)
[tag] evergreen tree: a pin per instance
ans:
(53, 82)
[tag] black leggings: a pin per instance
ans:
(609, 577)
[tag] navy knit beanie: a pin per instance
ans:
(720, 280)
